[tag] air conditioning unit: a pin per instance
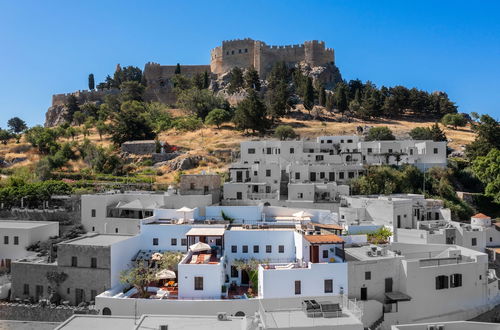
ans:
(222, 316)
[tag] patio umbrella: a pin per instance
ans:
(165, 274)
(156, 256)
(200, 246)
(184, 210)
(302, 214)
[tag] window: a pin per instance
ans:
(192, 186)
(6, 240)
(268, 172)
(300, 195)
(389, 151)
(68, 290)
(239, 195)
(246, 50)
(184, 241)
(370, 150)
(93, 262)
(245, 249)
(319, 157)
(297, 287)
(411, 152)
(292, 150)
(255, 173)
(328, 286)
(198, 283)
(351, 175)
(435, 150)
(341, 141)
(232, 52)
(26, 289)
(474, 241)
(234, 271)
(268, 189)
(116, 230)
(93, 228)
(16, 240)
(239, 51)
(441, 282)
(38, 291)
(268, 151)
(74, 262)
(93, 213)
(155, 241)
(297, 175)
(251, 150)
(341, 175)
(255, 249)
(368, 276)
(322, 141)
(491, 239)
(321, 175)
(331, 176)
(93, 293)
(269, 248)
(399, 221)
(455, 280)
(436, 215)
(234, 249)
(173, 241)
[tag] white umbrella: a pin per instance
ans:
(156, 256)
(165, 274)
(302, 214)
(184, 210)
(200, 246)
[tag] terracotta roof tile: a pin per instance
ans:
(324, 239)
(328, 226)
(481, 216)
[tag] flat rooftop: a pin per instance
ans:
(174, 322)
(298, 319)
(366, 252)
(83, 322)
(98, 240)
(27, 325)
(24, 224)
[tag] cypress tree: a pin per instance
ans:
(308, 97)
(177, 69)
(91, 81)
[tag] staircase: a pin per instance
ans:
(376, 324)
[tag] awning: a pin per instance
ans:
(184, 209)
(199, 247)
(397, 296)
(302, 214)
(206, 232)
(137, 205)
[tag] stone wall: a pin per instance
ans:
(201, 184)
(145, 147)
(248, 52)
(35, 312)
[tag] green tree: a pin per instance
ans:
(252, 79)
(72, 107)
(330, 102)
(199, 102)
(454, 119)
(251, 113)
(421, 133)
(236, 80)
(131, 124)
(78, 117)
(437, 133)
(5, 136)
(322, 96)
(91, 81)
(16, 125)
(487, 137)
(284, 132)
(487, 169)
(380, 133)
(188, 123)
(206, 80)
(308, 96)
(45, 139)
(217, 117)
(341, 97)
(159, 117)
(131, 91)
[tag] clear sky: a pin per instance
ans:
(49, 47)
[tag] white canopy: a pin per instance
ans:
(165, 274)
(184, 209)
(302, 214)
(200, 246)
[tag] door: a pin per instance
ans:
(78, 296)
(388, 284)
(245, 279)
(239, 176)
(314, 254)
(312, 176)
(364, 294)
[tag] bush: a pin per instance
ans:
(189, 123)
(217, 117)
(284, 132)
(380, 133)
(199, 102)
(454, 119)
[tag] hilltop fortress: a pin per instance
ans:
(314, 56)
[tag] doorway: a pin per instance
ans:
(245, 278)
(388, 284)
(364, 294)
(314, 254)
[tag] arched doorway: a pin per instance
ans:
(106, 311)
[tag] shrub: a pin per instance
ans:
(217, 117)
(284, 132)
(454, 119)
(189, 123)
(380, 133)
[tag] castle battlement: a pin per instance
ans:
(247, 52)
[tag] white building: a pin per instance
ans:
(422, 282)
(17, 235)
(455, 325)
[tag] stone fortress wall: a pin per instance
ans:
(248, 52)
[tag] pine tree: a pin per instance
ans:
(117, 77)
(236, 80)
(252, 79)
(206, 80)
(437, 134)
(91, 81)
(177, 69)
(322, 96)
(72, 106)
(251, 113)
(329, 102)
(308, 96)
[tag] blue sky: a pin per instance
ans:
(49, 47)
